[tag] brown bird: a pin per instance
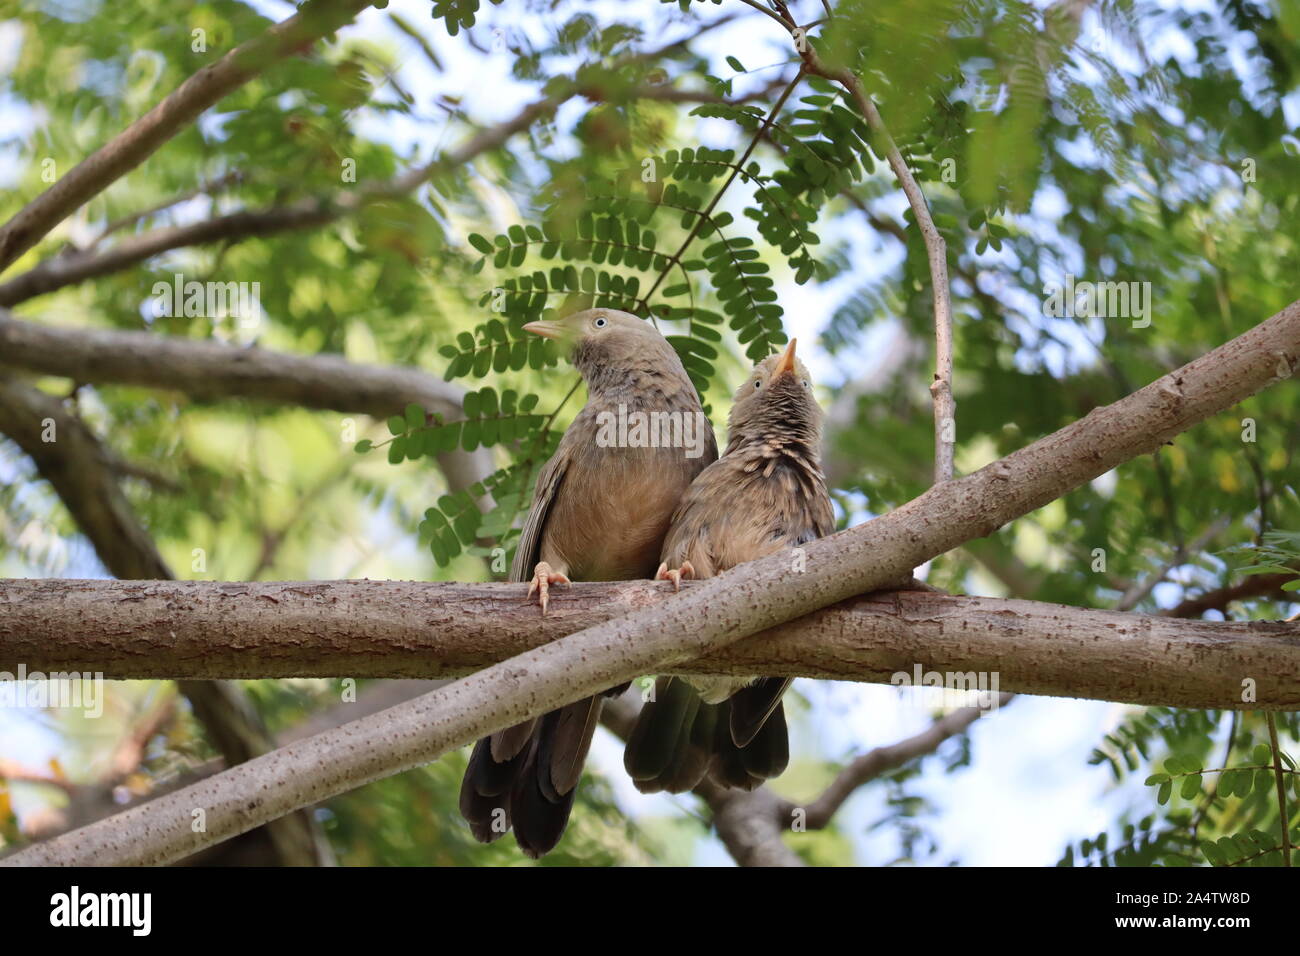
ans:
(600, 512)
(765, 494)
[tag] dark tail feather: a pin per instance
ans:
(491, 772)
(539, 818)
(678, 739)
(511, 741)
(532, 789)
(654, 740)
(768, 752)
(563, 743)
(751, 707)
(728, 766)
(690, 760)
(484, 800)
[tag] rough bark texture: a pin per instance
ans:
(198, 629)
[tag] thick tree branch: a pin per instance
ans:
(705, 618)
(212, 370)
(143, 137)
(202, 629)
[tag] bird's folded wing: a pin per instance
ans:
(528, 552)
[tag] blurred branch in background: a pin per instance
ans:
(178, 111)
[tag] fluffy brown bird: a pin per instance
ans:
(600, 512)
(765, 494)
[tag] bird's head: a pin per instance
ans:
(610, 347)
(776, 402)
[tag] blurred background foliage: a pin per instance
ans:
(1112, 141)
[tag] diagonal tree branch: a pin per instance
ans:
(70, 457)
(61, 271)
(142, 138)
(98, 801)
(707, 617)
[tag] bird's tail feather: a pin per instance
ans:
(751, 707)
(483, 800)
(656, 738)
(526, 777)
(678, 739)
(765, 756)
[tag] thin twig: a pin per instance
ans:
(233, 177)
(704, 215)
(945, 407)
(1284, 817)
(1137, 592)
(766, 11)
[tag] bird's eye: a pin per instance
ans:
(601, 322)
(758, 383)
(805, 383)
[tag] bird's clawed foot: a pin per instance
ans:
(543, 578)
(687, 570)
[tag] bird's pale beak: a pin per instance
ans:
(547, 330)
(785, 365)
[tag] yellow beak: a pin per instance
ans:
(547, 330)
(786, 363)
